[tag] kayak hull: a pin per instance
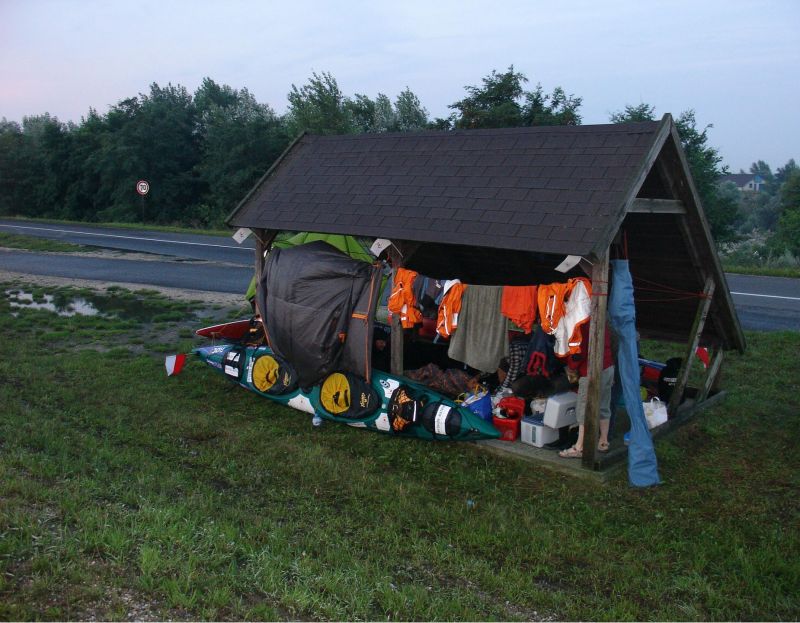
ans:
(471, 427)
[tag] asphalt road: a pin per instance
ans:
(218, 264)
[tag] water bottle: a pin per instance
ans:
(316, 420)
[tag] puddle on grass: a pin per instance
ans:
(106, 305)
(77, 306)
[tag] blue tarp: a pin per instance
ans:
(642, 462)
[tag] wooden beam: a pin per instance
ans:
(658, 206)
(396, 353)
(594, 369)
(711, 375)
(694, 340)
(264, 238)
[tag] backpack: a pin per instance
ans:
(540, 359)
(403, 409)
(272, 375)
(233, 363)
(349, 396)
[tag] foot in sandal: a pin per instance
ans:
(602, 446)
(571, 453)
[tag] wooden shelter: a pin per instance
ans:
(506, 206)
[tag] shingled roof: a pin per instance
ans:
(508, 204)
(552, 189)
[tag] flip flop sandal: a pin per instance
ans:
(602, 447)
(571, 453)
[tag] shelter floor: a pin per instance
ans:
(606, 464)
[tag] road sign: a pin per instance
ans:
(241, 234)
(142, 187)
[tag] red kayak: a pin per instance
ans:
(229, 331)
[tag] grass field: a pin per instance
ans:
(125, 494)
(32, 243)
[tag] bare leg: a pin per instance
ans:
(604, 424)
(579, 443)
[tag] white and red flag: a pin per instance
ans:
(174, 364)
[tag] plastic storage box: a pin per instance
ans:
(535, 433)
(560, 410)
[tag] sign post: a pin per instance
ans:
(142, 187)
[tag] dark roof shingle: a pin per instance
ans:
(543, 188)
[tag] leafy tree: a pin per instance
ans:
(502, 102)
(241, 140)
(410, 115)
(783, 173)
(789, 223)
(362, 111)
(760, 211)
(211, 96)
(640, 112)
(763, 170)
(152, 136)
(15, 177)
(371, 115)
(86, 141)
(495, 104)
(319, 107)
(704, 163)
(558, 108)
(385, 119)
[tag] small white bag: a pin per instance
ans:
(655, 412)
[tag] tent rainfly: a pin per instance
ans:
(507, 205)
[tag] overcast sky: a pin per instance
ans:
(735, 61)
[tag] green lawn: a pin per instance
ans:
(127, 494)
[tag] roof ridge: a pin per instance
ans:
(642, 126)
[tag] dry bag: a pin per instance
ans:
(272, 375)
(349, 396)
(441, 419)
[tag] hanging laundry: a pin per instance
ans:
(551, 305)
(540, 358)
(427, 294)
(449, 307)
(482, 339)
(577, 308)
(519, 306)
(401, 300)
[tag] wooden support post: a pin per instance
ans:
(597, 336)
(261, 247)
(694, 340)
(712, 374)
(264, 238)
(396, 353)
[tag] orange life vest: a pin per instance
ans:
(401, 300)
(449, 308)
(551, 305)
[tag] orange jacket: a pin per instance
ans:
(401, 300)
(577, 307)
(449, 308)
(551, 305)
(519, 306)
(563, 308)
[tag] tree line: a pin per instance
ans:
(202, 151)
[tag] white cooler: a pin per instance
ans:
(560, 410)
(535, 433)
